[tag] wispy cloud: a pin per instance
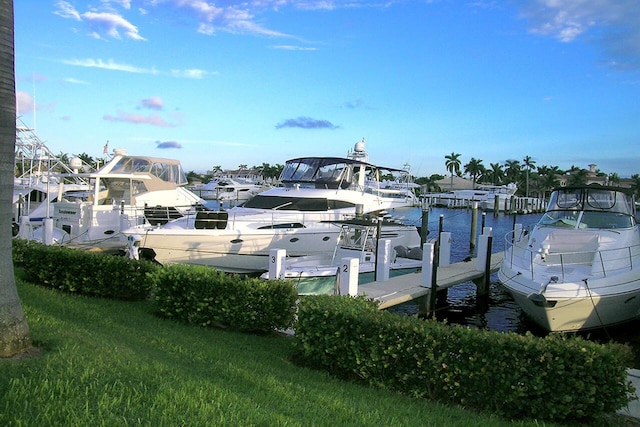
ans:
(291, 47)
(108, 65)
(168, 144)
(153, 103)
(153, 119)
(101, 24)
(193, 73)
(358, 103)
(611, 24)
(75, 81)
(306, 123)
(111, 65)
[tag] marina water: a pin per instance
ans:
(499, 311)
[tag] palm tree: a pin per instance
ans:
(475, 168)
(14, 330)
(578, 178)
(614, 179)
(496, 173)
(548, 182)
(452, 164)
(528, 163)
(512, 170)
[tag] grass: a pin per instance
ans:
(112, 363)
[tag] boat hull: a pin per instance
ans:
(235, 251)
(574, 306)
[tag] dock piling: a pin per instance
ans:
(349, 269)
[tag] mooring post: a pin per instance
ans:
(383, 261)
(444, 248)
(440, 225)
(487, 266)
(474, 226)
(496, 205)
(378, 233)
(349, 269)
(427, 264)
(484, 261)
(424, 228)
(433, 294)
(276, 263)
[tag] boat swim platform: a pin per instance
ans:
(407, 287)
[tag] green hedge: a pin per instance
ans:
(516, 376)
(205, 296)
(83, 272)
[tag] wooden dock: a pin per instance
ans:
(407, 287)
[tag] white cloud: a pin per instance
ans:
(108, 65)
(102, 24)
(612, 24)
(75, 81)
(111, 65)
(66, 10)
(290, 47)
(111, 25)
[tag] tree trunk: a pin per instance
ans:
(14, 331)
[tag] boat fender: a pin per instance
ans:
(401, 251)
(541, 301)
(415, 253)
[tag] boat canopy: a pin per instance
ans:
(607, 199)
(166, 169)
(331, 172)
(590, 207)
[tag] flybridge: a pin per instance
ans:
(334, 173)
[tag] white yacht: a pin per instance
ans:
(298, 216)
(38, 181)
(484, 194)
(127, 191)
(579, 268)
(231, 190)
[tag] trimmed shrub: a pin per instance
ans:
(83, 272)
(204, 296)
(556, 378)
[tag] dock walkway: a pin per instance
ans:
(407, 287)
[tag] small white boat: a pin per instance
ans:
(485, 195)
(231, 190)
(579, 268)
(317, 274)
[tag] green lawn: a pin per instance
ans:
(114, 363)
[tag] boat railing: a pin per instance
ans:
(594, 262)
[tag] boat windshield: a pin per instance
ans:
(318, 172)
(296, 203)
(166, 171)
(589, 208)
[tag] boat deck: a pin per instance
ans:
(406, 287)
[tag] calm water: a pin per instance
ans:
(499, 312)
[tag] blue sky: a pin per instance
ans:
(229, 83)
